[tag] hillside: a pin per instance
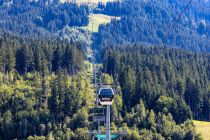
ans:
(155, 23)
(39, 18)
(141, 22)
(50, 60)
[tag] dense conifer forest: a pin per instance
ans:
(36, 18)
(152, 72)
(47, 94)
(44, 90)
(46, 85)
(155, 23)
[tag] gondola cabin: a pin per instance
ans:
(106, 96)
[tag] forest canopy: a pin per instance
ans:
(36, 18)
(46, 81)
(156, 23)
(146, 73)
(46, 91)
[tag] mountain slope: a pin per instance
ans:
(40, 18)
(148, 22)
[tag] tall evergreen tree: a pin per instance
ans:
(56, 60)
(129, 84)
(9, 60)
(21, 60)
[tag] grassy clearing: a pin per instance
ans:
(98, 19)
(203, 128)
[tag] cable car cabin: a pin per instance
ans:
(106, 96)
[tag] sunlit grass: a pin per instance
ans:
(96, 20)
(203, 128)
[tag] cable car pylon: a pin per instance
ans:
(108, 131)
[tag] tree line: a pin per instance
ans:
(38, 56)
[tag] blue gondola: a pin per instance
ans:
(106, 96)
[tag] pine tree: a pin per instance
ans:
(67, 59)
(189, 93)
(9, 60)
(7, 125)
(197, 100)
(56, 60)
(37, 58)
(152, 120)
(140, 115)
(54, 104)
(21, 60)
(129, 87)
(1, 61)
(30, 59)
(44, 93)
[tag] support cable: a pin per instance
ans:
(179, 17)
